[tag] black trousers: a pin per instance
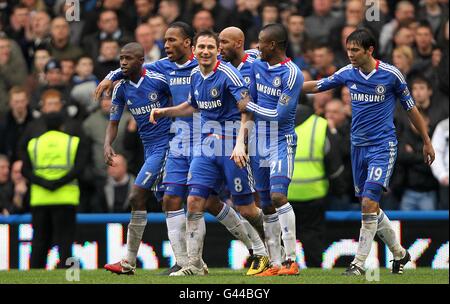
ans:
(52, 225)
(310, 229)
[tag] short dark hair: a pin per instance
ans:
(362, 37)
(185, 29)
(278, 33)
(426, 24)
(207, 33)
(421, 79)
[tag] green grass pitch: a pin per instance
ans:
(223, 276)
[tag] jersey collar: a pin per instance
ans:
(212, 72)
(278, 64)
(137, 85)
(180, 66)
(366, 77)
(244, 60)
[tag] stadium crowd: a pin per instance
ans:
(50, 63)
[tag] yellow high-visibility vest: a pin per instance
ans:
(309, 179)
(53, 155)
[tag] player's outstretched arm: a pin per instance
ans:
(182, 110)
(417, 120)
(111, 134)
(106, 86)
(310, 87)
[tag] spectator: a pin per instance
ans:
(108, 25)
(17, 119)
(60, 46)
(54, 80)
(68, 71)
(339, 124)
(298, 39)
(54, 193)
(347, 101)
(443, 68)
(321, 22)
(85, 83)
(37, 34)
(220, 14)
(203, 20)
(320, 100)
(323, 62)
(21, 198)
(403, 58)
(440, 166)
(94, 127)
(159, 28)
(18, 22)
(6, 186)
(423, 49)
(242, 18)
(144, 9)
(118, 186)
(62, 8)
(403, 36)
(144, 36)
(37, 76)
(108, 60)
(13, 70)
(404, 14)
(170, 10)
(433, 12)
(286, 11)
(419, 183)
(318, 168)
(270, 13)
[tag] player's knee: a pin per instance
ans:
(247, 212)
(278, 199)
(172, 203)
(213, 205)
(369, 206)
(195, 203)
(137, 200)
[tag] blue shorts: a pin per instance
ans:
(273, 172)
(151, 173)
(372, 168)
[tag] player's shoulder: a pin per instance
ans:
(118, 87)
(391, 70)
(195, 71)
(344, 70)
(155, 75)
(292, 73)
(229, 71)
(253, 53)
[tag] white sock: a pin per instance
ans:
(272, 230)
(387, 235)
(176, 230)
(195, 236)
(230, 219)
(366, 235)
(136, 228)
(287, 222)
(257, 244)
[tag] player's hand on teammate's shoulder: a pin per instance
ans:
(109, 155)
(428, 153)
(106, 86)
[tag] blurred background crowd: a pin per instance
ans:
(50, 62)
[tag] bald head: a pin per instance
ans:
(135, 48)
(232, 44)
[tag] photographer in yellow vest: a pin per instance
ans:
(52, 164)
(318, 165)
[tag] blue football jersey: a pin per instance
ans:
(275, 91)
(149, 93)
(373, 101)
(216, 95)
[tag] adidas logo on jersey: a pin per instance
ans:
(129, 102)
(258, 76)
(172, 73)
(353, 87)
(196, 92)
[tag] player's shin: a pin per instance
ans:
(366, 236)
(272, 230)
(230, 219)
(195, 235)
(136, 229)
(176, 230)
(257, 243)
(286, 216)
(388, 236)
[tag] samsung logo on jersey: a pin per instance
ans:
(144, 110)
(209, 104)
(268, 90)
(367, 97)
(180, 81)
